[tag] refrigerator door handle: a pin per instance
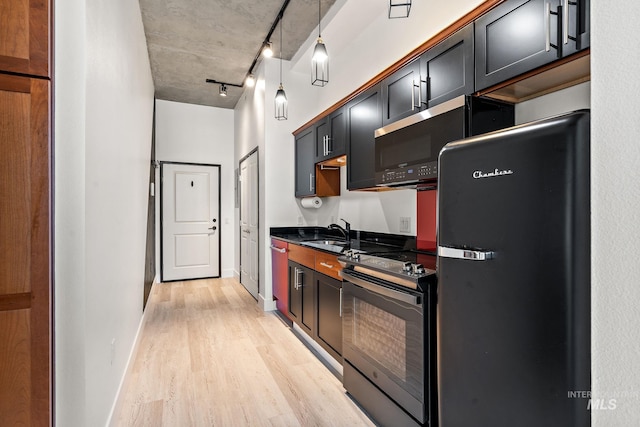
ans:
(446, 252)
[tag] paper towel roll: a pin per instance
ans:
(311, 202)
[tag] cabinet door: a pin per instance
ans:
(307, 289)
(24, 36)
(280, 275)
(330, 136)
(447, 69)
(25, 251)
(364, 116)
(295, 295)
(305, 164)
(302, 297)
(576, 19)
(401, 93)
(329, 314)
(322, 132)
(513, 38)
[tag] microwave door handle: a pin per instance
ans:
(467, 254)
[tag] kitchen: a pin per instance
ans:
(614, 159)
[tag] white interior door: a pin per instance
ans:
(249, 225)
(190, 221)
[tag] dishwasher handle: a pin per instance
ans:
(277, 249)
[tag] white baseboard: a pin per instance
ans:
(117, 403)
(266, 305)
(229, 272)
(327, 359)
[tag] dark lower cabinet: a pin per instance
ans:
(329, 295)
(302, 297)
(364, 116)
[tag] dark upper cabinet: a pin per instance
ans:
(302, 296)
(401, 93)
(305, 167)
(447, 69)
(329, 297)
(364, 116)
(576, 27)
(515, 37)
(520, 35)
(330, 134)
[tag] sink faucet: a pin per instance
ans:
(346, 232)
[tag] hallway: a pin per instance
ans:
(209, 356)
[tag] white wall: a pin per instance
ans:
(104, 105)
(189, 133)
(615, 203)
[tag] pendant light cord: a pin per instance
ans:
(319, 14)
(281, 22)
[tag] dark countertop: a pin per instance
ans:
(366, 241)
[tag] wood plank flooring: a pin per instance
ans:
(209, 356)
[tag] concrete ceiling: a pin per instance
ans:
(190, 41)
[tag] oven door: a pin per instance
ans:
(384, 338)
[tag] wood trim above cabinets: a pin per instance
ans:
(414, 54)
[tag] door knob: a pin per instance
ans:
(213, 228)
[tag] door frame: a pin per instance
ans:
(162, 163)
(239, 198)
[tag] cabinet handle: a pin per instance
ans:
(311, 182)
(565, 21)
(419, 104)
(329, 145)
(324, 264)
(340, 302)
(300, 277)
(547, 22)
(547, 25)
(277, 249)
(324, 145)
(413, 95)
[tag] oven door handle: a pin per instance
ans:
(381, 290)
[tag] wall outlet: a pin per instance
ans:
(405, 224)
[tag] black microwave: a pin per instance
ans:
(406, 151)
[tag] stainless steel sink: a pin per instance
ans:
(336, 246)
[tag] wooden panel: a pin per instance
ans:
(327, 181)
(15, 226)
(25, 241)
(15, 360)
(328, 264)
(302, 255)
(15, 301)
(24, 36)
(561, 74)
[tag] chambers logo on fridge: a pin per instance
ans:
(493, 173)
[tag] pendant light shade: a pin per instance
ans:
(399, 8)
(319, 60)
(280, 101)
(250, 81)
(222, 90)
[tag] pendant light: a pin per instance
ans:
(399, 8)
(320, 59)
(281, 107)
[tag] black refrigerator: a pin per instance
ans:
(513, 297)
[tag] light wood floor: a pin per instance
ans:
(209, 356)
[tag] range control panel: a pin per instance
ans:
(408, 174)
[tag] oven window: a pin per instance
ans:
(382, 336)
